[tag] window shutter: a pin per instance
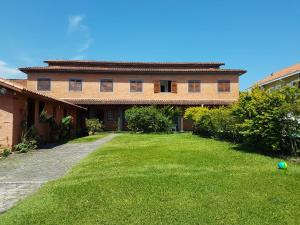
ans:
(174, 86)
(156, 86)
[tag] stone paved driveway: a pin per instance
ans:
(22, 174)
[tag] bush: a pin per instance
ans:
(5, 152)
(269, 121)
(64, 128)
(217, 123)
(29, 139)
(58, 131)
(93, 126)
(149, 119)
(195, 113)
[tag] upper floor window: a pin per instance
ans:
(165, 86)
(295, 83)
(75, 85)
(194, 85)
(106, 85)
(223, 85)
(136, 86)
(43, 84)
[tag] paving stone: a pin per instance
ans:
(22, 174)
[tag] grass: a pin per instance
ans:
(87, 139)
(167, 179)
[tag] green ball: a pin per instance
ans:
(282, 165)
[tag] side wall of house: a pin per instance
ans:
(19, 116)
(13, 112)
(121, 86)
(6, 119)
(283, 82)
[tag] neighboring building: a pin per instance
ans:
(106, 89)
(19, 104)
(287, 76)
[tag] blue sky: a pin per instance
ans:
(259, 36)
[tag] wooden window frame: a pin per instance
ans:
(193, 89)
(76, 80)
(136, 81)
(224, 88)
(43, 79)
(105, 80)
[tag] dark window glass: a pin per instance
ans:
(136, 86)
(43, 84)
(223, 85)
(106, 85)
(75, 85)
(165, 85)
(194, 85)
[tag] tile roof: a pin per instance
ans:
(280, 74)
(19, 88)
(93, 101)
(126, 63)
(88, 69)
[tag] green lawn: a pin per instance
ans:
(167, 179)
(88, 138)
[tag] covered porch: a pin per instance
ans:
(113, 117)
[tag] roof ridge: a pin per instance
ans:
(131, 62)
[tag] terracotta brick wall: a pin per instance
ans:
(91, 86)
(6, 119)
(13, 111)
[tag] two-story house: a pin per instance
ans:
(106, 89)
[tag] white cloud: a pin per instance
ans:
(76, 25)
(75, 22)
(7, 71)
(86, 45)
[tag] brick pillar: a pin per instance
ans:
(180, 123)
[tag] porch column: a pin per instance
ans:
(120, 119)
(180, 123)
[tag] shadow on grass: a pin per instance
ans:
(255, 150)
(252, 149)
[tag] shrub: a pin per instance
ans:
(269, 121)
(148, 119)
(64, 128)
(58, 131)
(29, 139)
(5, 152)
(217, 123)
(195, 113)
(93, 126)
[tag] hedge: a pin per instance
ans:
(267, 120)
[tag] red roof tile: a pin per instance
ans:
(128, 70)
(280, 74)
(130, 64)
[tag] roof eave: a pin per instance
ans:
(43, 70)
(277, 79)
